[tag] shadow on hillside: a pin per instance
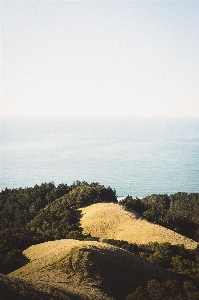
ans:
(136, 214)
(118, 272)
(78, 234)
(15, 289)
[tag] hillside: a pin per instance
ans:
(111, 221)
(16, 289)
(76, 242)
(86, 270)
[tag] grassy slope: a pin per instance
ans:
(111, 221)
(91, 270)
(16, 289)
(72, 269)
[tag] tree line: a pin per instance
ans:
(183, 263)
(178, 212)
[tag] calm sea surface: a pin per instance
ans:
(137, 157)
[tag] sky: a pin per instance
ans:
(100, 58)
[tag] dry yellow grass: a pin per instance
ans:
(111, 221)
(42, 273)
(86, 269)
(76, 270)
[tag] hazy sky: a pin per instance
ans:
(100, 58)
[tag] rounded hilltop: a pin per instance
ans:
(89, 269)
(112, 221)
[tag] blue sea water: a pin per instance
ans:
(137, 157)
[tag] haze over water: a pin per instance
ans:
(137, 157)
(102, 91)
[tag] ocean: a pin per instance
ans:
(136, 157)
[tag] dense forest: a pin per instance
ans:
(47, 212)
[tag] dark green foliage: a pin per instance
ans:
(160, 254)
(179, 212)
(123, 244)
(170, 290)
(54, 221)
(174, 258)
(84, 195)
(42, 213)
(19, 206)
(13, 260)
(133, 203)
(75, 235)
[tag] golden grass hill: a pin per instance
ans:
(79, 242)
